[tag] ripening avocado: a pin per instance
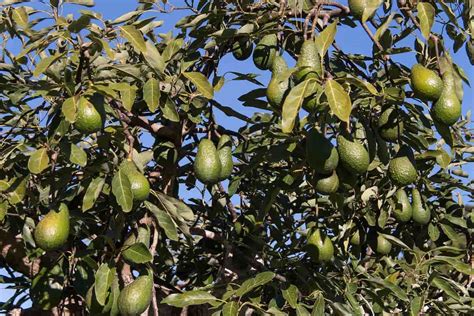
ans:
(309, 62)
(383, 245)
(265, 51)
(53, 230)
(326, 184)
(224, 150)
(319, 247)
(421, 215)
(426, 83)
(352, 155)
(88, 119)
(139, 185)
(447, 109)
(135, 298)
(207, 165)
(357, 237)
(403, 209)
(402, 169)
(390, 125)
(279, 85)
(321, 155)
(242, 48)
(357, 8)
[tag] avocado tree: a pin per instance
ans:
(123, 191)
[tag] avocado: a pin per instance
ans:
(53, 230)
(447, 109)
(326, 184)
(265, 51)
(426, 83)
(321, 155)
(390, 125)
(319, 247)
(352, 155)
(139, 185)
(309, 62)
(421, 215)
(279, 85)
(224, 150)
(88, 119)
(403, 209)
(135, 298)
(402, 169)
(207, 164)
(356, 238)
(357, 8)
(383, 245)
(242, 48)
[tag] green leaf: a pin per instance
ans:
(290, 294)
(202, 84)
(230, 309)
(44, 64)
(78, 155)
(339, 100)
(20, 16)
(122, 191)
(293, 102)
(301, 310)
(399, 293)
(38, 161)
(169, 110)
(319, 306)
(92, 193)
(138, 253)
(135, 37)
(164, 220)
(18, 191)
(442, 157)
(196, 297)
(370, 7)
(154, 58)
(453, 263)
(151, 94)
(326, 38)
(426, 14)
(103, 280)
(444, 286)
(382, 28)
(87, 3)
(69, 108)
(172, 48)
(128, 95)
(250, 284)
(416, 305)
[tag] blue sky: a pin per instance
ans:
(350, 40)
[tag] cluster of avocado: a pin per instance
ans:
(428, 86)
(214, 164)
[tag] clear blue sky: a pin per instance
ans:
(350, 40)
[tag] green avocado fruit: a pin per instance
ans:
(53, 230)
(352, 155)
(279, 65)
(279, 84)
(309, 62)
(357, 8)
(321, 155)
(319, 247)
(139, 185)
(326, 184)
(403, 209)
(426, 83)
(265, 51)
(390, 125)
(447, 109)
(242, 48)
(224, 150)
(421, 215)
(135, 298)
(383, 245)
(207, 165)
(88, 119)
(402, 169)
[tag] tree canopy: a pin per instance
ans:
(121, 192)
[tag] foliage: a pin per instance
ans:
(244, 248)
